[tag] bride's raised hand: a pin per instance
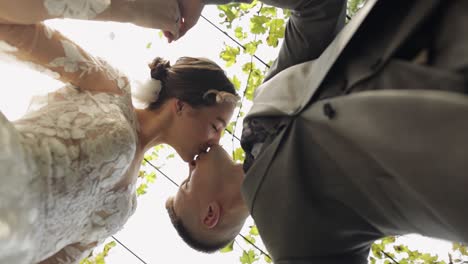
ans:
(157, 14)
(190, 11)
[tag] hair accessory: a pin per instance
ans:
(222, 96)
(147, 92)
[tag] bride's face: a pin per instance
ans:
(199, 128)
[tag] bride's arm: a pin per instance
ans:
(49, 50)
(160, 14)
(70, 254)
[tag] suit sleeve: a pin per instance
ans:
(311, 28)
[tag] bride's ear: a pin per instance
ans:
(179, 105)
(211, 215)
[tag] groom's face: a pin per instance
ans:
(211, 175)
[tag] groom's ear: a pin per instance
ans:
(211, 215)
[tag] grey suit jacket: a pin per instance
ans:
(325, 189)
(349, 169)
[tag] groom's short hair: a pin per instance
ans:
(189, 239)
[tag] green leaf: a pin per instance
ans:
(238, 155)
(229, 55)
(100, 257)
(108, 247)
(249, 66)
(230, 127)
(239, 33)
(229, 12)
(254, 230)
(354, 6)
(246, 7)
(257, 24)
(228, 248)
(276, 32)
(267, 259)
(251, 47)
(148, 46)
(250, 238)
(236, 82)
(269, 11)
(142, 189)
(388, 240)
(151, 177)
(248, 257)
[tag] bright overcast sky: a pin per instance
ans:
(148, 232)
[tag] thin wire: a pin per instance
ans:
(237, 42)
(120, 243)
(390, 257)
(348, 17)
(167, 177)
(232, 134)
(255, 246)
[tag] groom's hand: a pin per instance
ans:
(190, 11)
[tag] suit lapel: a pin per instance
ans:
(290, 90)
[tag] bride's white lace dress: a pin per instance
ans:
(60, 165)
(64, 184)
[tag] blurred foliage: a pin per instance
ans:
(99, 258)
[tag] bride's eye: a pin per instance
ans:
(214, 127)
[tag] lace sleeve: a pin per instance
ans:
(71, 254)
(158, 14)
(51, 52)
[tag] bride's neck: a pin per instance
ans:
(153, 126)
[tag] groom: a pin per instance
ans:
(366, 141)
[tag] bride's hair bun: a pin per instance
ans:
(159, 68)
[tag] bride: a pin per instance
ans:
(69, 166)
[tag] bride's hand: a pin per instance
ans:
(157, 14)
(190, 11)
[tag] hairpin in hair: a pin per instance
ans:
(222, 96)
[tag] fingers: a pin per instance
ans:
(169, 36)
(184, 28)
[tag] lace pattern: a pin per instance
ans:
(63, 161)
(82, 145)
(80, 9)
